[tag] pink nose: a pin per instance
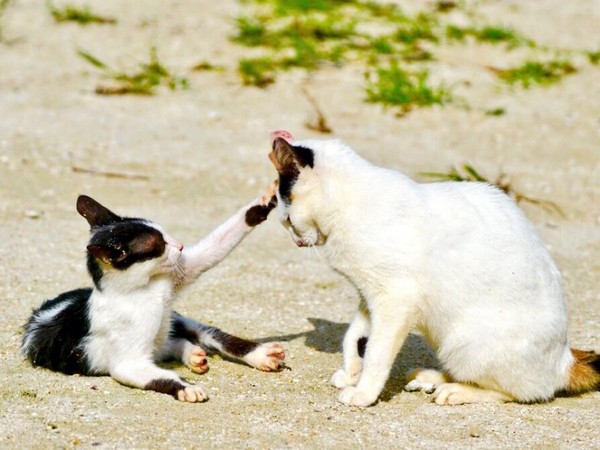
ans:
(173, 243)
(281, 134)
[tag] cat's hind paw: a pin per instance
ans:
(268, 357)
(353, 396)
(425, 380)
(460, 394)
(196, 360)
(193, 393)
(341, 379)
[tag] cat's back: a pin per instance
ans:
(473, 207)
(54, 333)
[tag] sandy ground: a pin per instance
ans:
(204, 151)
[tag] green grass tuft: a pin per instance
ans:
(594, 57)
(144, 82)
(82, 15)
(420, 28)
(257, 71)
(395, 86)
(465, 173)
(489, 34)
(533, 73)
(468, 173)
(495, 112)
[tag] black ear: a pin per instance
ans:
(287, 158)
(96, 214)
(106, 254)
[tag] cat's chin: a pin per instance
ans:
(321, 239)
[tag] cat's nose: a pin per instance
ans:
(173, 243)
(281, 134)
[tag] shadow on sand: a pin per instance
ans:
(327, 337)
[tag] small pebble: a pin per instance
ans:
(33, 214)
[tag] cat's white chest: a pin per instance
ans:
(128, 325)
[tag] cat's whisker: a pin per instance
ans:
(318, 253)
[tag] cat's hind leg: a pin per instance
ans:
(144, 374)
(459, 394)
(193, 356)
(355, 341)
(426, 380)
(268, 357)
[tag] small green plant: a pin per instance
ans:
(422, 27)
(489, 34)
(3, 6)
(207, 66)
(532, 73)
(495, 112)
(467, 173)
(82, 15)
(257, 71)
(251, 31)
(395, 86)
(594, 57)
(143, 82)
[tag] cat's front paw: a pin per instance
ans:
(193, 393)
(196, 360)
(341, 379)
(268, 357)
(259, 212)
(353, 396)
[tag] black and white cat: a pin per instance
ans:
(458, 261)
(126, 323)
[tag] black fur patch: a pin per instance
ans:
(304, 156)
(362, 346)
(57, 344)
(165, 386)
(286, 185)
(258, 213)
(180, 331)
(233, 345)
(287, 177)
(121, 245)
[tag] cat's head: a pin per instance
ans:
(130, 249)
(298, 190)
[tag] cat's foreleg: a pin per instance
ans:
(392, 317)
(217, 245)
(144, 374)
(268, 357)
(359, 328)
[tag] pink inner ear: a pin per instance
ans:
(286, 135)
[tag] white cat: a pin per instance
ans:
(459, 262)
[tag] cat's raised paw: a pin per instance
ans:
(268, 357)
(341, 379)
(194, 393)
(352, 396)
(196, 360)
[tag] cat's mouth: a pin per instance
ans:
(312, 239)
